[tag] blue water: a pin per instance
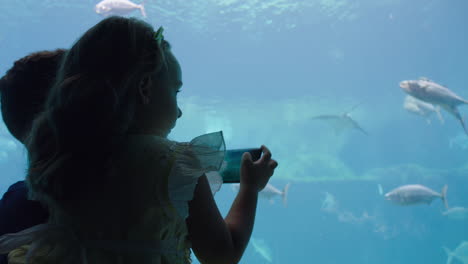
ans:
(259, 70)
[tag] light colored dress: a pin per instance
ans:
(140, 216)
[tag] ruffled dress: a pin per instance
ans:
(140, 215)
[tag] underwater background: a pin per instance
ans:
(260, 70)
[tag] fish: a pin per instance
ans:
(270, 192)
(460, 253)
(341, 122)
(261, 247)
(457, 213)
(118, 7)
(330, 206)
(416, 106)
(416, 194)
(436, 94)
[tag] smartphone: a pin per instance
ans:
(230, 170)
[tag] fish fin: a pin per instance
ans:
(439, 115)
(422, 78)
(357, 126)
(443, 195)
(284, 195)
(449, 255)
(363, 131)
(463, 124)
(142, 9)
(454, 111)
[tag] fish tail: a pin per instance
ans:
(462, 121)
(285, 194)
(142, 9)
(454, 111)
(449, 255)
(443, 195)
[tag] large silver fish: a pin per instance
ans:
(415, 194)
(419, 107)
(436, 94)
(118, 7)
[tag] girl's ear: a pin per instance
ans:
(144, 89)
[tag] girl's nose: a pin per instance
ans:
(180, 113)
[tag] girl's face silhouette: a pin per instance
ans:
(162, 102)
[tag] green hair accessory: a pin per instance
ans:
(159, 35)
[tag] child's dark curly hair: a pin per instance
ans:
(24, 89)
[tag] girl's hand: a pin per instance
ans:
(255, 175)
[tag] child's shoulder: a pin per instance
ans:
(142, 151)
(148, 145)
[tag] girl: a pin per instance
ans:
(117, 190)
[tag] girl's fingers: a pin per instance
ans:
(247, 158)
(266, 154)
(273, 164)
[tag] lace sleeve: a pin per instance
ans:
(203, 155)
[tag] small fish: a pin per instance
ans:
(460, 253)
(341, 122)
(421, 108)
(457, 213)
(436, 94)
(415, 194)
(270, 192)
(118, 7)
